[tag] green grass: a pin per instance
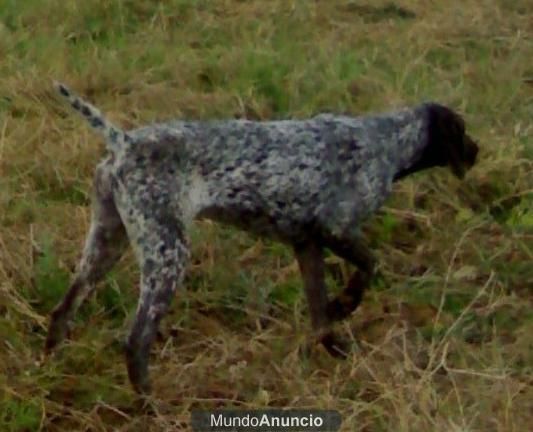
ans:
(442, 341)
(18, 416)
(50, 279)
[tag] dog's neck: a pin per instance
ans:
(414, 151)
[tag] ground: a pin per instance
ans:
(443, 339)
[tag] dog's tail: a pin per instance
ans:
(115, 137)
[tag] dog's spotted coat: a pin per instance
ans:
(309, 183)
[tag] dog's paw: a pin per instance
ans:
(335, 346)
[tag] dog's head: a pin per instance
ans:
(448, 143)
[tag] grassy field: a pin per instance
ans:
(443, 342)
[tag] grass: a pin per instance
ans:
(443, 340)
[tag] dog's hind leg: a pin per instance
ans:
(161, 247)
(104, 245)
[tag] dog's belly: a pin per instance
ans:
(258, 222)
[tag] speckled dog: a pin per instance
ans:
(308, 183)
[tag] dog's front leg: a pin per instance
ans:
(311, 262)
(163, 254)
(353, 249)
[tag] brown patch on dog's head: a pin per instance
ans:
(448, 143)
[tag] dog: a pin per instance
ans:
(307, 183)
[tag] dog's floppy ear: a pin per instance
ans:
(455, 146)
(447, 132)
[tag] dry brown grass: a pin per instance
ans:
(443, 343)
